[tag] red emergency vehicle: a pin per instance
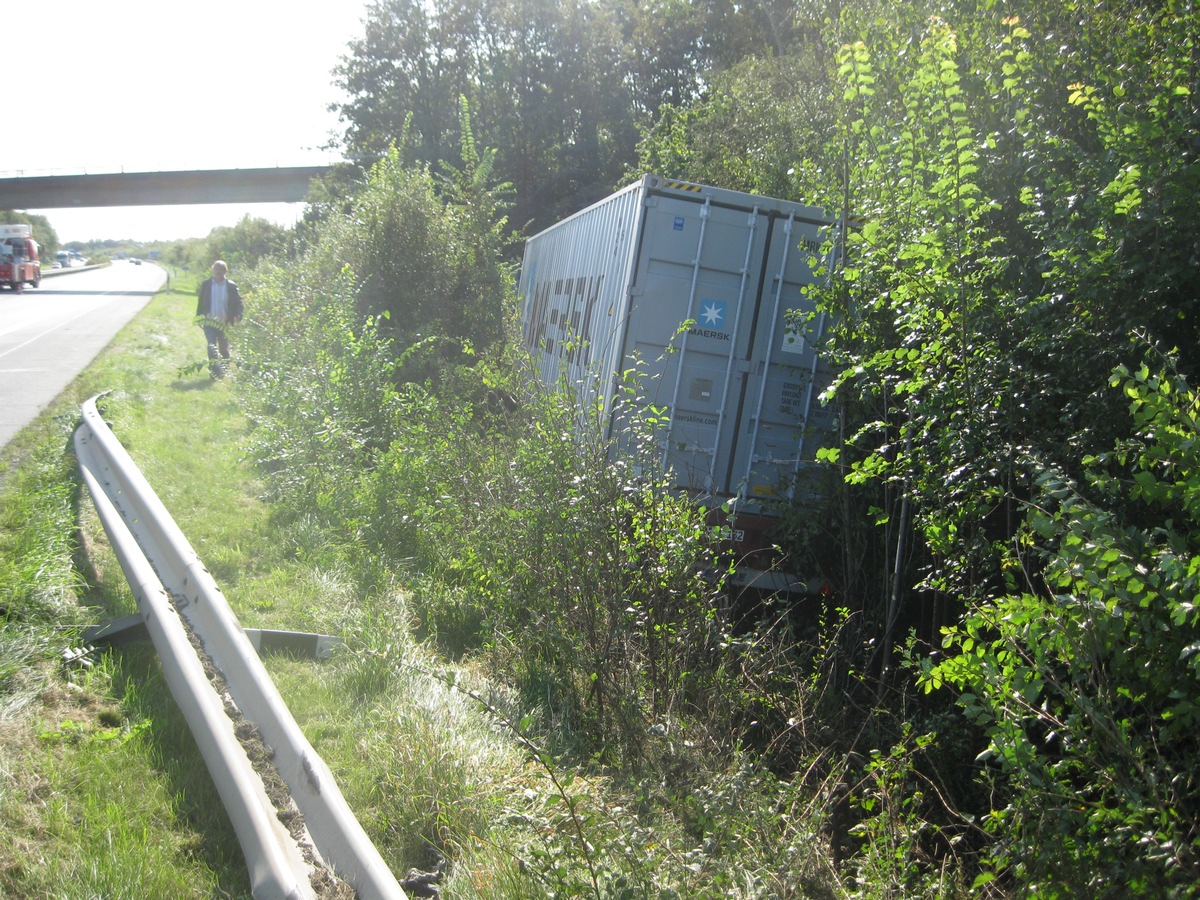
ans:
(19, 262)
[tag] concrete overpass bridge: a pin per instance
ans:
(278, 185)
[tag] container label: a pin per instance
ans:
(795, 399)
(678, 223)
(695, 419)
(793, 339)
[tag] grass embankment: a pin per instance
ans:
(102, 791)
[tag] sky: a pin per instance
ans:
(145, 86)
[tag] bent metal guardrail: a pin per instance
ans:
(169, 580)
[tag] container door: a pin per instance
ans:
(781, 420)
(696, 266)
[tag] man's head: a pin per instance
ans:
(219, 270)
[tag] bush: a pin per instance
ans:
(1089, 687)
(422, 259)
(374, 414)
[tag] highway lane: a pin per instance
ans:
(50, 334)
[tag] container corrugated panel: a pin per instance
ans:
(696, 283)
(575, 289)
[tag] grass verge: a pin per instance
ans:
(101, 787)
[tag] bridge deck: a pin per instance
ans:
(286, 185)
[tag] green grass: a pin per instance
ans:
(119, 809)
(103, 791)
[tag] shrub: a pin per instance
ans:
(1088, 680)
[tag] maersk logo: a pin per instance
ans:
(710, 322)
(712, 314)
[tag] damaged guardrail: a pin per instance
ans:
(169, 581)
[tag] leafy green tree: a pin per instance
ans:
(395, 73)
(1085, 677)
(732, 31)
(986, 295)
(531, 69)
(664, 64)
(760, 121)
(328, 197)
(547, 100)
(1006, 188)
(187, 252)
(561, 89)
(427, 253)
(243, 245)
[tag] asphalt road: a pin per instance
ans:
(50, 334)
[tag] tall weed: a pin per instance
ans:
(39, 585)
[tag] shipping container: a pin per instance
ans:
(694, 284)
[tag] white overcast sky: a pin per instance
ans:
(147, 85)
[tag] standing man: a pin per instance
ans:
(220, 305)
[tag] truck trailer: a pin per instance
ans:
(19, 262)
(693, 285)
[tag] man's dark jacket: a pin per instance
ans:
(233, 301)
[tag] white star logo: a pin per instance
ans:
(712, 314)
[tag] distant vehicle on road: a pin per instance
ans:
(19, 262)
